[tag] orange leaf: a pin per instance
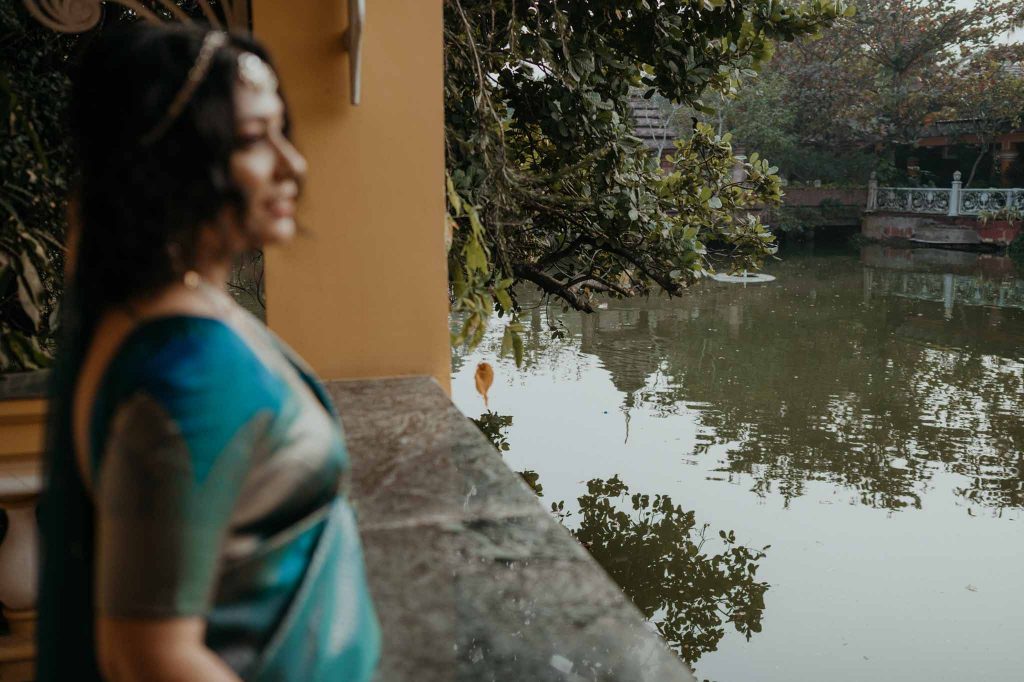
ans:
(484, 378)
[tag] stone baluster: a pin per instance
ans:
(873, 192)
(954, 194)
(21, 424)
(19, 552)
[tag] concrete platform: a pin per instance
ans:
(472, 577)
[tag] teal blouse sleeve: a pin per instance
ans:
(190, 408)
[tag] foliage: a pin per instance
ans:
(766, 115)
(658, 555)
(493, 425)
(36, 167)
(34, 161)
(532, 479)
(799, 221)
(835, 108)
(988, 100)
(881, 75)
(547, 183)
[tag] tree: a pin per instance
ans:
(879, 77)
(546, 182)
(988, 101)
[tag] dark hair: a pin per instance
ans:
(141, 206)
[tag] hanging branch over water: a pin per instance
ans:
(547, 181)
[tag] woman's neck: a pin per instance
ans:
(215, 273)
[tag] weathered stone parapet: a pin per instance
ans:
(472, 578)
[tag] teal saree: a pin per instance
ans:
(215, 482)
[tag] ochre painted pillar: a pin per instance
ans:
(364, 294)
(1007, 155)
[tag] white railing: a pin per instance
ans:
(914, 200)
(975, 201)
(955, 201)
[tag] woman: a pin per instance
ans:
(193, 525)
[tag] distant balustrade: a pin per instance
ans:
(977, 201)
(914, 200)
(952, 201)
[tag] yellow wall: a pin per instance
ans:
(365, 294)
(21, 429)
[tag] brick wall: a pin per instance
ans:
(813, 196)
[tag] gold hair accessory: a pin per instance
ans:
(213, 41)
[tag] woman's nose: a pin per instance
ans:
(290, 161)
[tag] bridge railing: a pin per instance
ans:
(952, 201)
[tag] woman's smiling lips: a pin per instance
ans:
(282, 208)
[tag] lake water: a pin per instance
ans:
(860, 415)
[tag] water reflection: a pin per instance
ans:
(861, 414)
(493, 425)
(872, 374)
(657, 554)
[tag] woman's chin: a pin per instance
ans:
(278, 233)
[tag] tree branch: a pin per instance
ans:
(672, 288)
(531, 273)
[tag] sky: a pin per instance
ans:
(1016, 36)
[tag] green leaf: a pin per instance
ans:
(476, 259)
(504, 300)
(517, 349)
(30, 290)
(26, 351)
(453, 197)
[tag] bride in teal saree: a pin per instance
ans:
(194, 520)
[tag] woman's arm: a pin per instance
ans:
(166, 650)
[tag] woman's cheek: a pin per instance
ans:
(253, 171)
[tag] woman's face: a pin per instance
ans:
(266, 166)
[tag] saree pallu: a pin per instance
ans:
(327, 633)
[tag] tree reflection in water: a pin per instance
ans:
(493, 426)
(839, 373)
(658, 555)
(655, 552)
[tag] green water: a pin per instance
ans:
(861, 415)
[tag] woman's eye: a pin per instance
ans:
(250, 140)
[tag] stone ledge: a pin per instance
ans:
(472, 577)
(24, 385)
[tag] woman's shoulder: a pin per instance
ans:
(178, 360)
